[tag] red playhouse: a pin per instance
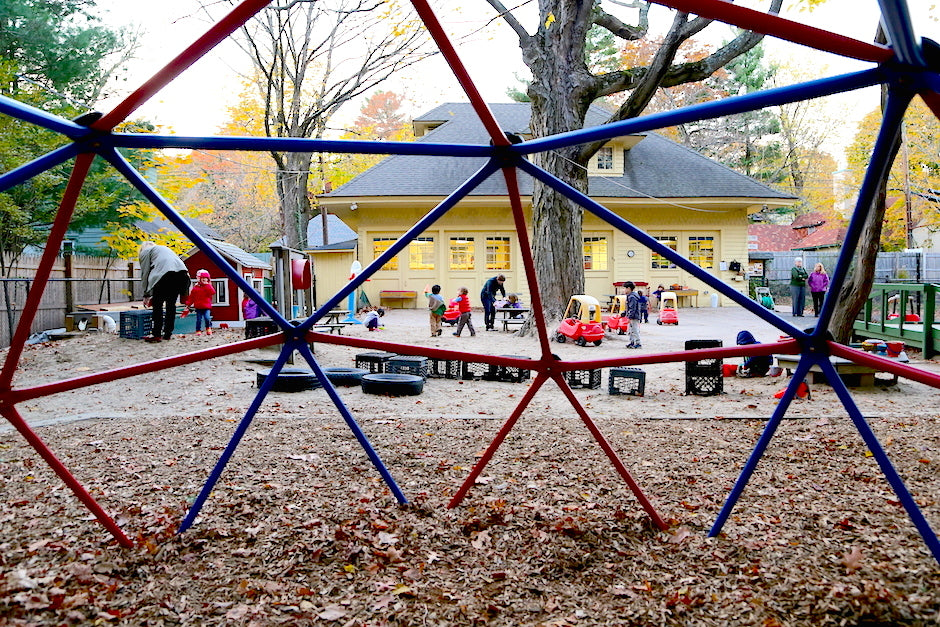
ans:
(226, 306)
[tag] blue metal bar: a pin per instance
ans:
(240, 431)
(650, 242)
(352, 424)
(144, 187)
(38, 166)
(422, 225)
(707, 110)
(296, 144)
(880, 164)
(766, 436)
(27, 113)
(871, 441)
(896, 18)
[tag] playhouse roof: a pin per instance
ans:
(233, 253)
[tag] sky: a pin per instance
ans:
(196, 103)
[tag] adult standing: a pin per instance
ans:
(818, 283)
(798, 276)
(488, 298)
(166, 281)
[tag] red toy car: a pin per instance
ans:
(617, 321)
(582, 322)
(451, 314)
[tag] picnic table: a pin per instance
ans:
(333, 316)
(508, 316)
(851, 373)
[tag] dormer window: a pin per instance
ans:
(605, 158)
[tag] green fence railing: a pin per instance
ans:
(902, 311)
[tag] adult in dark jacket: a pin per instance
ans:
(488, 298)
(756, 366)
(166, 281)
(798, 276)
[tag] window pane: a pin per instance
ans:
(221, 295)
(658, 261)
(497, 253)
(461, 253)
(702, 251)
(379, 246)
(605, 158)
(595, 253)
(421, 254)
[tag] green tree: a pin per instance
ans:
(563, 88)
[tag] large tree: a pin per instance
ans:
(312, 57)
(562, 89)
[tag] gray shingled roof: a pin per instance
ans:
(337, 232)
(655, 167)
(234, 253)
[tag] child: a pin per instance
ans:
(756, 366)
(250, 308)
(644, 306)
(463, 306)
(437, 307)
(513, 302)
(371, 317)
(200, 299)
(633, 313)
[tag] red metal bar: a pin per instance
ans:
(498, 440)
(790, 347)
(49, 255)
(782, 28)
(522, 232)
(28, 393)
(885, 364)
(11, 414)
(611, 454)
(225, 27)
(460, 72)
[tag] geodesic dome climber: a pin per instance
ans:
(906, 67)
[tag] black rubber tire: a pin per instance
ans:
(290, 380)
(659, 322)
(581, 341)
(622, 332)
(346, 377)
(597, 342)
(392, 384)
(560, 338)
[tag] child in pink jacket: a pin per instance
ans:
(200, 299)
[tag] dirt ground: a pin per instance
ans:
(301, 529)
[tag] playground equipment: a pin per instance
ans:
(902, 69)
(668, 309)
(618, 321)
(582, 321)
(451, 314)
(763, 296)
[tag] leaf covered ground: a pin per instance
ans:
(302, 530)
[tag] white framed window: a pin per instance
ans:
(379, 246)
(421, 254)
(702, 251)
(221, 291)
(657, 261)
(595, 253)
(498, 253)
(462, 253)
(605, 158)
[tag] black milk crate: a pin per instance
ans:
(408, 364)
(258, 327)
(373, 362)
(630, 381)
(703, 377)
(443, 368)
(584, 378)
(512, 374)
(473, 370)
(136, 324)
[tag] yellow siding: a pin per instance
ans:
(332, 273)
(479, 218)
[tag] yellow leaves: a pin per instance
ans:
(549, 20)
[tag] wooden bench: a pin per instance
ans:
(335, 327)
(399, 295)
(512, 321)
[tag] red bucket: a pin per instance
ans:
(895, 348)
(729, 370)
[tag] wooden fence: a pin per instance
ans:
(75, 280)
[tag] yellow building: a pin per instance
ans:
(690, 203)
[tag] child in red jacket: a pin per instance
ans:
(463, 306)
(200, 299)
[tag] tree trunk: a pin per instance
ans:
(292, 197)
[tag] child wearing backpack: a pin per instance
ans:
(437, 308)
